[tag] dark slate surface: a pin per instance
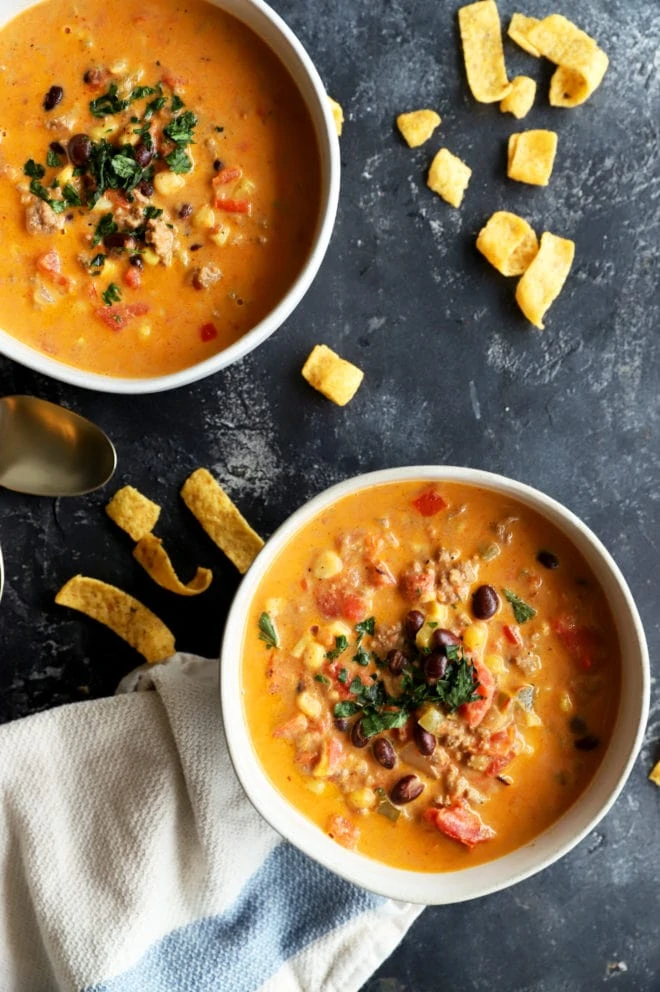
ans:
(453, 375)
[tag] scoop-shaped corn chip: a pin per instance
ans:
(337, 115)
(449, 177)
(531, 156)
(133, 512)
(481, 37)
(654, 774)
(153, 557)
(582, 64)
(123, 614)
(519, 29)
(520, 100)
(332, 375)
(417, 126)
(542, 281)
(508, 242)
(221, 520)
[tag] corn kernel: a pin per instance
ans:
(221, 235)
(102, 131)
(110, 269)
(423, 636)
(144, 331)
(149, 257)
(475, 636)
(566, 703)
(337, 629)
(314, 656)
(315, 785)
(119, 67)
(310, 705)
(496, 663)
(299, 647)
(327, 565)
(362, 799)
(166, 183)
(437, 613)
(205, 217)
(65, 175)
(102, 204)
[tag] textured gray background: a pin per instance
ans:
(453, 375)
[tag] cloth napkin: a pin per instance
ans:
(130, 858)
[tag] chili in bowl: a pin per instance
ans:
(422, 684)
(166, 202)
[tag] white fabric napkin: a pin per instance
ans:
(130, 859)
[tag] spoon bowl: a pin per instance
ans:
(47, 450)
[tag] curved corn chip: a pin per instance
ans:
(153, 557)
(221, 520)
(449, 177)
(132, 621)
(542, 281)
(337, 115)
(481, 37)
(520, 100)
(508, 242)
(519, 29)
(332, 375)
(133, 512)
(531, 155)
(417, 126)
(582, 64)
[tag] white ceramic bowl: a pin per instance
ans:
(270, 27)
(557, 840)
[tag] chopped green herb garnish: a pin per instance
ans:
(522, 611)
(151, 212)
(347, 708)
(108, 103)
(178, 161)
(362, 658)
(341, 643)
(432, 624)
(153, 107)
(112, 294)
(385, 807)
(356, 685)
(321, 678)
(365, 627)
(177, 103)
(53, 160)
(267, 631)
(33, 169)
(180, 129)
(125, 166)
(140, 92)
(343, 675)
(98, 261)
(71, 195)
(105, 226)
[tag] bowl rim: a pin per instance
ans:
(428, 888)
(288, 50)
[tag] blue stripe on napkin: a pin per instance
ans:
(288, 903)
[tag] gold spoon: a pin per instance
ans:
(47, 450)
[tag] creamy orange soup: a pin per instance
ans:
(431, 674)
(159, 182)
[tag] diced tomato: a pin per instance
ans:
(473, 713)
(172, 80)
(226, 175)
(460, 823)
(512, 634)
(333, 671)
(292, 728)
(233, 206)
(118, 316)
(501, 749)
(329, 759)
(133, 277)
(417, 586)
(208, 332)
(582, 643)
(341, 829)
(333, 601)
(50, 265)
(380, 574)
(429, 502)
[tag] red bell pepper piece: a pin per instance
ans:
(473, 713)
(233, 206)
(460, 823)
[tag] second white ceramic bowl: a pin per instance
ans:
(557, 840)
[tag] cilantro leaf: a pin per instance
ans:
(53, 160)
(343, 675)
(178, 161)
(112, 294)
(177, 103)
(341, 643)
(321, 678)
(347, 708)
(356, 685)
(362, 658)
(71, 196)
(458, 686)
(375, 723)
(522, 611)
(365, 627)
(125, 166)
(153, 107)
(180, 129)
(97, 262)
(106, 225)
(267, 631)
(140, 92)
(33, 169)
(108, 103)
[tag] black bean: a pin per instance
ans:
(485, 602)
(79, 149)
(396, 661)
(547, 559)
(406, 789)
(58, 148)
(115, 240)
(577, 725)
(441, 639)
(196, 247)
(136, 261)
(357, 737)
(587, 743)
(185, 210)
(435, 666)
(424, 740)
(384, 753)
(218, 164)
(53, 97)
(143, 154)
(414, 621)
(145, 187)
(341, 723)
